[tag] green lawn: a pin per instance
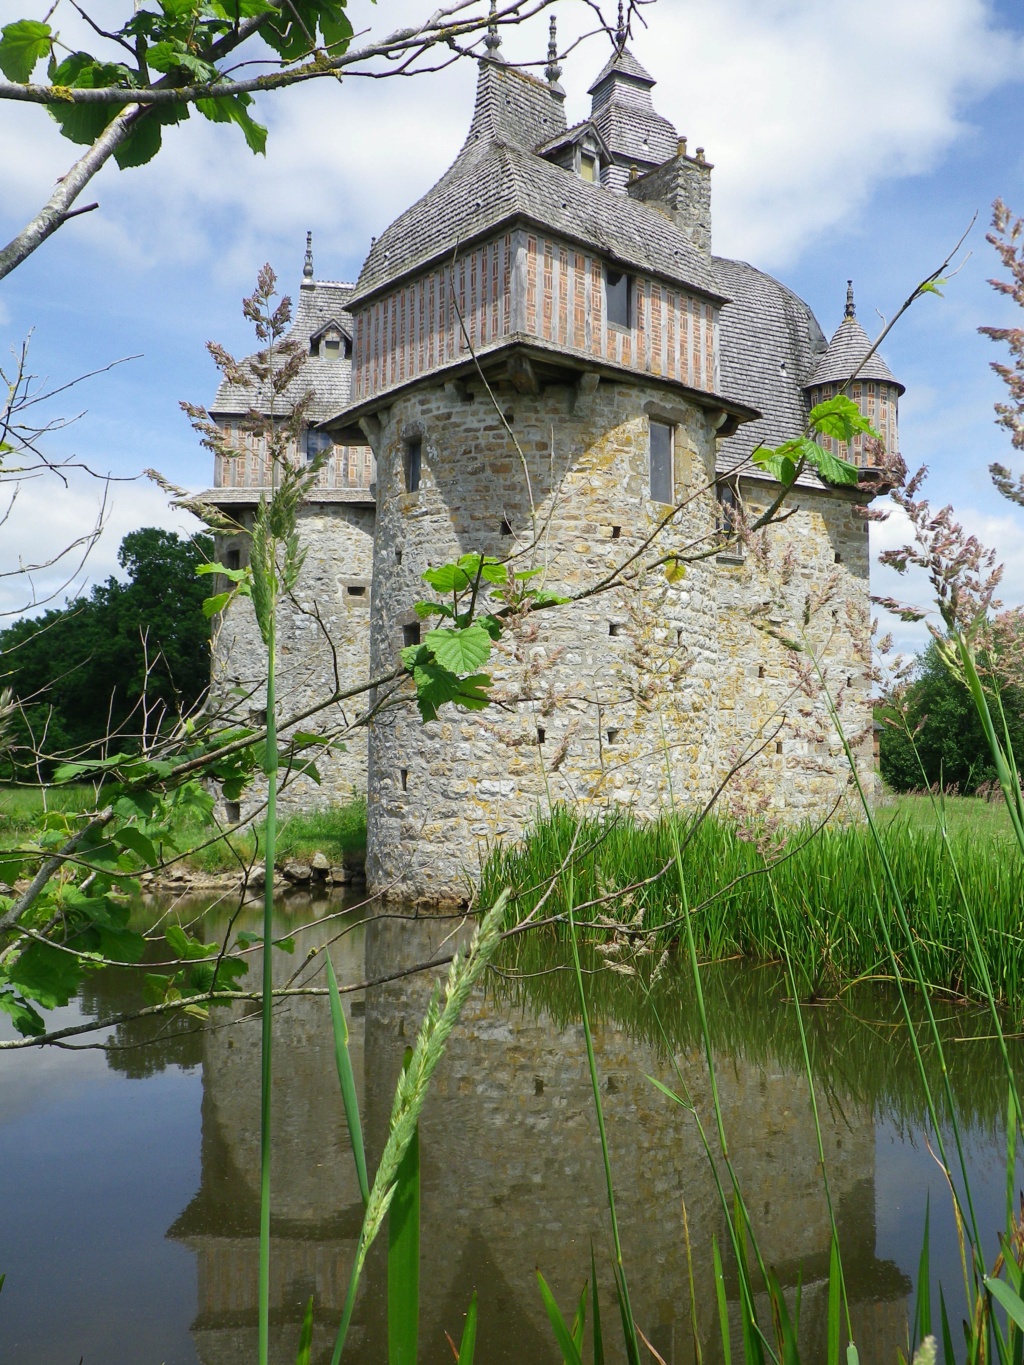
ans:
(336, 832)
(962, 815)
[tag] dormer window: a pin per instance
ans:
(332, 346)
(590, 168)
(330, 343)
(618, 297)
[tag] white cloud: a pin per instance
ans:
(45, 519)
(803, 111)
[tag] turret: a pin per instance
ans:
(846, 368)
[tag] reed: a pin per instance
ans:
(819, 907)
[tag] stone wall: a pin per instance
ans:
(799, 592)
(584, 690)
(323, 630)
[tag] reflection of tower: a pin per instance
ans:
(317, 1211)
(512, 1179)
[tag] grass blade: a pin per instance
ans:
(348, 1081)
(563, 1336)
(467, 1346)
(579, 1322)
(947, 1336)
(306, 1336)
(832, 1358)
(923, 1309)
(598, 1339)
(698, 1355)
(1007, 1299)
(723, 1304)
(404, 1259)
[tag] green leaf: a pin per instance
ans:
(404, 1257)
(27, 1021)
(83, 123)
(544, 597)
(217, 603)
(425, 609)
(347, 1081)
(447, 579)
(834, 1303)
(832, 469)
(840, 417)
(234, 109)
(286, 944)
(46, 974)
(598, 1339)
(723, 1307)
(154, 985)
(131, 837)
(185, 947)
(460, 651)
(563, 1336)
(1004, 1295)
(579, 1321)
(22, 45)
(306, 1336)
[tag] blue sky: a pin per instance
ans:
(855, 138)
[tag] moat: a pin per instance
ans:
(129, 1197)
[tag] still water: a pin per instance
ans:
(129, 1190)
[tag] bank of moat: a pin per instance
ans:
(541, 359)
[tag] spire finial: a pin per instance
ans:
(493, 40)
(552, 71)
(620, 29)
(307, 267)
(851, 311)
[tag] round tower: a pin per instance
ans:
(870, 384)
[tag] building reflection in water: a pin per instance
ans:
(512, 1178)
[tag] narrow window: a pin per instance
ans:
(616, 532)
(613, 736)
(615, 628)
(403, 774)
(618, 290)
(839, 558)
(541, 734)
(589, 167)
(506, 526)
(728, 509)
(412, 463)
(411, 634)
(760, 670)
(316, 442)
(233, 811)
(233, 558)
(662, 480)
(398, 556)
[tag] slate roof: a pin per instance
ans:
(320, 304)
(497, 178)
(848, 347)
(770, 342)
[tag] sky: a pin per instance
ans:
(850, 139)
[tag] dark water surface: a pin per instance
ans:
(129, 1190)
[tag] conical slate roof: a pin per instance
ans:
(320, 303)
(623, 63)
(847, 349)
(497, 178)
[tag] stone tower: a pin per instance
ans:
(547, 359)
(324, 630)
(871, 385)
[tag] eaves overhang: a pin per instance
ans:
(554, 365)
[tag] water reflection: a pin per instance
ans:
(512, 1173)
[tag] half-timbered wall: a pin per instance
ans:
(878, 402)
(534, 285)
(347, 466)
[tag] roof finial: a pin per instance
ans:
(620, 30)
(552, 71)
(307, 268)
(493, 40)
(851, 311)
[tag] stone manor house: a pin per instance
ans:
(540, 359)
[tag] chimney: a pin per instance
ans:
(681, 188)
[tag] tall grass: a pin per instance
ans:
(819, 905)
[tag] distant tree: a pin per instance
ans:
(947, 733)
(80, 670)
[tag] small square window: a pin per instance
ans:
(590, 168)
(662, 474)
(618, 297)
(413, 464)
